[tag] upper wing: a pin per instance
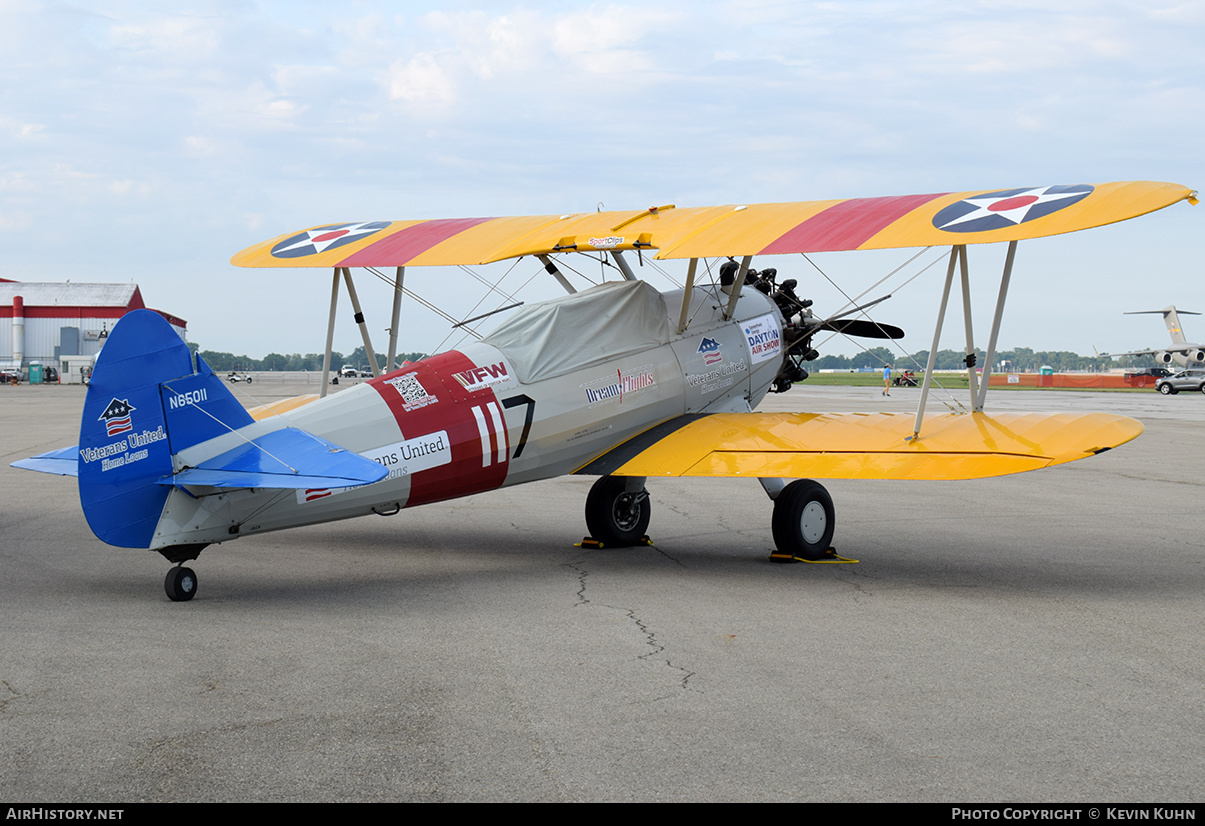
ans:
(751, 229)
(863, 445)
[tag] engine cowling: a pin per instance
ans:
(1164, 358)
(1196, 355)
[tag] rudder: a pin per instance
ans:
(145, 402)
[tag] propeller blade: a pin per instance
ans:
(863, 329)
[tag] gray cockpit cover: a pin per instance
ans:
(555, 337)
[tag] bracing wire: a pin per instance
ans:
(852, 301)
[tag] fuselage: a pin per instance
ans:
(538, 400)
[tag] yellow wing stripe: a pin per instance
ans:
(753, 229)
(281, 407)
(867, 445)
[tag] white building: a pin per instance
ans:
(51, 322)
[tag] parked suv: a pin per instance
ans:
(1184, 380)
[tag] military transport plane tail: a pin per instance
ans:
(144, 432)
(1181, 350)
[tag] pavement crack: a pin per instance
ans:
(10, 694)
(666, 555)
(582, 573)
(656, 652)
(1138, 478)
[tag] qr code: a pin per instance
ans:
(409, 388)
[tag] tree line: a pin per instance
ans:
(225, 362)
(1018, 360)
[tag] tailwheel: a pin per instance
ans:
(803, 521)
(616, 515)
(180, 584)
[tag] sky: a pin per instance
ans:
(149, 142)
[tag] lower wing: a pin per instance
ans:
(863, 445)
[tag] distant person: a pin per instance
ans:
(886, 380)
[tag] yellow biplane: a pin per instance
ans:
(619, 381)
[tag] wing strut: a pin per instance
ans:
(966, 319)
(555, 273)
(359, 316)
(398, 281)
(941, 317)
(978, 385)
(330, 336)
(991, 344)
(687, 291)
(628, 275)
(355, 305)
(738, 284)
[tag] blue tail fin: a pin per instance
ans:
(145, 402)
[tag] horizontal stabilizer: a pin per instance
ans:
(286, 458)
(863, 445)
(61, 462)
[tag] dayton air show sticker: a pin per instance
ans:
(1008, 207)
(764, 340)
(321, 239)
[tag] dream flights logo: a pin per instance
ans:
(1007, 208)
(321, 239)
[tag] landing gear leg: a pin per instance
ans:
(618, 511)
(180, 584)
(803, 522)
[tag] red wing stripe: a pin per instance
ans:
(847, 225)
(399, 249)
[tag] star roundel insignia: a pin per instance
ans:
(1007, 208)
(321, 239)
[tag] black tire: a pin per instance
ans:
(180, 584)
(1165, 389)
(248, 379)
(804, 520)
(613, 515)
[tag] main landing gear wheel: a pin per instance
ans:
(804, 520)
(615, 515)
(180, 584)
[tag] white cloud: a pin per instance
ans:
(172, 39)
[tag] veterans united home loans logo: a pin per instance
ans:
(1008, 207)
(321, 239)
(117, 417)
(709, 349)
